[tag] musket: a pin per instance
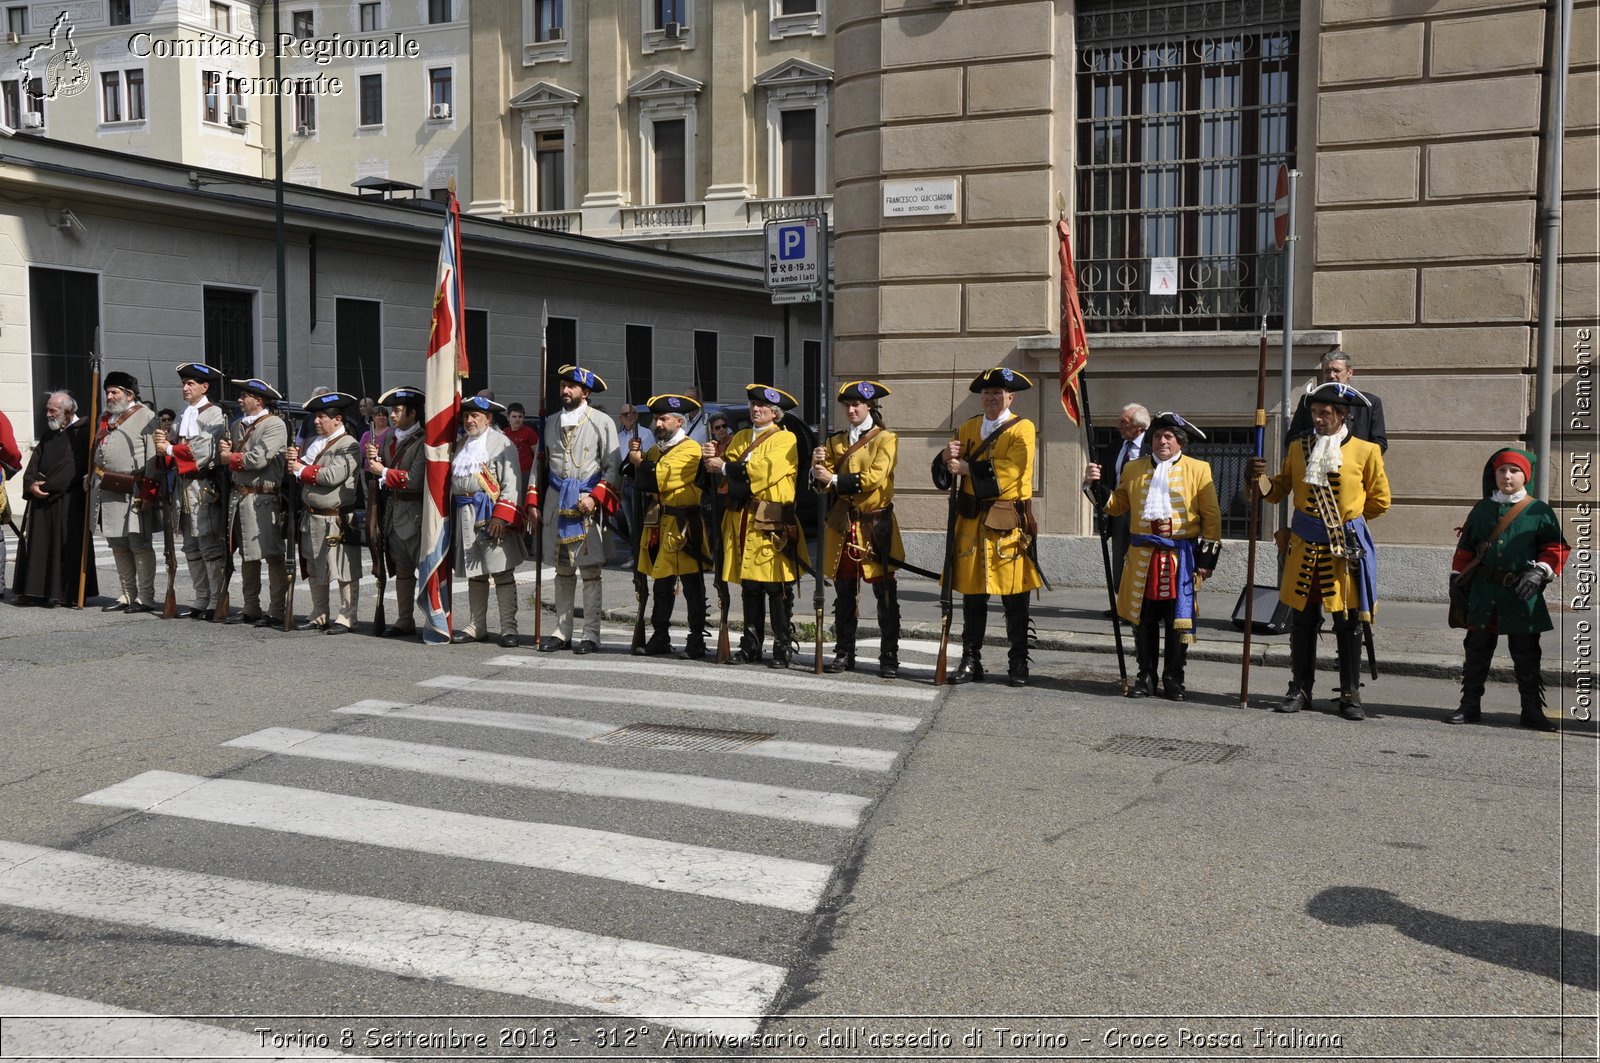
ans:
(819, 599)
(375, 547)
(540, 471)
(289, 495)
(1105, 536)
(169, 517)
(718, 584)
(947, 602)
(641, 586)
(230, 512)
(94, 433)
(1260, 450)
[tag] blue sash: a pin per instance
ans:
(569, 522)
(481, 504)
(1183, 604)
(1312, 530)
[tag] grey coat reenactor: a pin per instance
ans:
(400, 464)
(255, 458)
(122, 491)
(584, 459)
(330, 478)
(200, 428)
(484, 479)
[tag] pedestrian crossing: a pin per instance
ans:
(490, 771)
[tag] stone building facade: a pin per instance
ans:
(1417, 127)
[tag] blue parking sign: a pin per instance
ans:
(791, 242)
(793, 254)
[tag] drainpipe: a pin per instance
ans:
(1549, 249)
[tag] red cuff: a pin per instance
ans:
(183, 457)
(505, 510)
(1554, 555)
(531, 499)
(308, 473)
(395, 478)
(236, 461)
(1459, 560)
(605, 498)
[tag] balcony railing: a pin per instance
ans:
(557, 221)
(670, 216)
(765, 210)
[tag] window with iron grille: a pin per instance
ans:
(1185, 112)
(230, 331)
(1228, 451)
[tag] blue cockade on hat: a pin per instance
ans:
(772, 395)
(674, 402)
(1006, 373)
(867, 390)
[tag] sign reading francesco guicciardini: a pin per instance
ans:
(936, 195)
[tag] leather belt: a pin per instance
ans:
(317, 511)
(264, 489)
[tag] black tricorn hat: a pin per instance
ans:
(256, 386)
(200, 371)
(482, 405)
(863, 391)
(586, 378)
(765, 395)
(1336, 394)
(1174, 422)
(1000, 377)
(404, 396)
(682, 405)
(332, 402)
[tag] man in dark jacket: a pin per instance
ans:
(52, 552)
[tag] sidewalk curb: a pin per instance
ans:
(1265, 655)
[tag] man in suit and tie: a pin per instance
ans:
(1132, 424)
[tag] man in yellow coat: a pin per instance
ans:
(1175, 538)
(990, 463)
(1338, 485)
(672, 541)
(763, 548)
(862, 538)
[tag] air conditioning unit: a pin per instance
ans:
(556, 33)
(13, 37)
(238, 115)
(439, 110)
(33, 120)
(303, 130)
(672, 31)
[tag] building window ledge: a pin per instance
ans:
(535, 52)
(804, 24)
(1049, 346)
(667, 217)
(556, 221)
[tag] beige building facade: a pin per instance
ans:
(372, 89)
(1417, 128)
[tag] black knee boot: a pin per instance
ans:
(753, 597)
(888, 595)
(974, 617)
(1525, 658)
(1477, 654)
(1348, 634)
(694, 600)
(846, 597)
(781, 602)
(1172, 670)
(1302, 660)
(660, 642)
(1016, 610)
(1146, 652)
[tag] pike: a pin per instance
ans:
(230, 508)
(947, 601)
(169, 517)
(375, 547)
(290, 495)
(641, 586)
(1259, 451)
(540, 471)
(94, 431)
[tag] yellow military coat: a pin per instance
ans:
(750, 552)
(988, 561)
(1361, 489)
(676, 473)
(870, 472)
(1196, 514)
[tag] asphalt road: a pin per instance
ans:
(307, 845)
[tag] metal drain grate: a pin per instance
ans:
(1172, 749)
(696, 739)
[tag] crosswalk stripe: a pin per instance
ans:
(772, 881)
(786, 680)
(592, 971)
(48, 1026)
(770, 710)
(854, 757)
(747, 798)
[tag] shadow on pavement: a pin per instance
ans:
(1567, 956)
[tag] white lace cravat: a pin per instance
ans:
(1326, 457)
